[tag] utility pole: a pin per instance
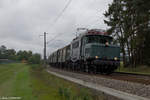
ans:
(45, 46)
(44, 56)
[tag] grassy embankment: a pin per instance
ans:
(33, 83)
(138, 69)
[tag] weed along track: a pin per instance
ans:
(138, 89)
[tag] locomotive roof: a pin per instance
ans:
(93, 32)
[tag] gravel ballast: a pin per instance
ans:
(128, 87)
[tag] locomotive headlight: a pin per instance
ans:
(107, 43)
(115, 58)
(96, 57)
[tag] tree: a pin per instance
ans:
(129, 24)
(2, 52)
(115, 21)
(10, 54)
(35, 58)
(24, 55)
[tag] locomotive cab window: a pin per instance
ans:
(98, 39)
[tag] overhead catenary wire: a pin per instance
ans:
(60, 14)
(58, 17)
(59, 34)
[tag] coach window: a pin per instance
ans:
(75, 45)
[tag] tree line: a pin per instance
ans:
(129, 23)
(21, 55)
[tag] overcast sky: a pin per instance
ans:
(22, 21)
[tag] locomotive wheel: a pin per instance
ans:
(102, 70)
(94, 69)
(109, 72)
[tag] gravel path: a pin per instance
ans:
(129, 87)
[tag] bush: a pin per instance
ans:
(35, 59)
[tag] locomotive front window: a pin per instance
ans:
(98, 39)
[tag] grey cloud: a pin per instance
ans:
(22, 21)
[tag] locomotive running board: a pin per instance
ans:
(109, 91)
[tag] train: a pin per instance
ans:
(93, 51)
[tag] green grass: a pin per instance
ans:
(50, 87)
(15, 81)
(30, 82)
(22, 84)
(138, 69)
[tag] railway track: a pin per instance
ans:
(129, 77)
(129, 83)
(133, 74)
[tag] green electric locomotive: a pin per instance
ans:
(92, 51)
